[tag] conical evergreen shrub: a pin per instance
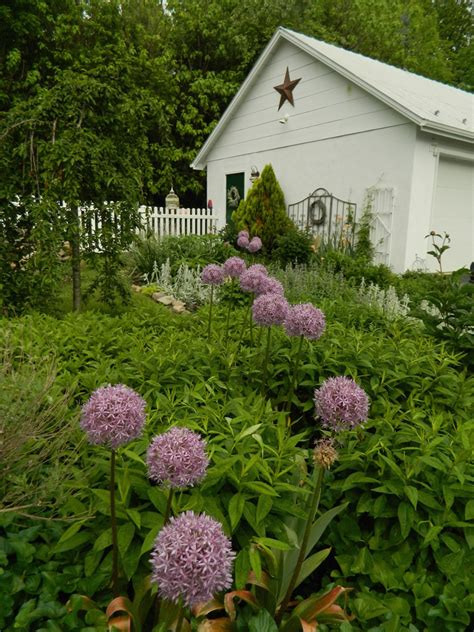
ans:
(263, 212)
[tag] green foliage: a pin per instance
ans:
(447, 311)
(364, 248)
(149, 253)
(263, 212)
(36, 430)
(405, 476)
(408, 530)
(293, 247)
(439, 245)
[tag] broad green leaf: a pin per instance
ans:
(74, 542)
(406, 516)
(236, 508)
(125, 536)
(264, 506)
(260, 488)
(262, 622)
(311, 564)
(319, 526)
(150, 539)
(273, 544)
(412, 494)
(469, 511)
(247, 432)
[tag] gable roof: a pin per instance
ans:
(434, 106)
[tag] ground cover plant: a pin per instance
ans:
(402, 480)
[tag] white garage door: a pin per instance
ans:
(453, 211)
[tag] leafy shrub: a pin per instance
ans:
(357, 269)
(293, 247)
(263, 212)
(152, 252)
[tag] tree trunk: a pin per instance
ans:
(75, 237)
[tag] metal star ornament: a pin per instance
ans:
(286, 88)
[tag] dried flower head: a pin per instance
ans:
(234, 266)
(270, 309)
(324, 453)
(113, 416)
(341, 404)
(177, 458)
(305, 320)
(255, 244)
(192, 559)
(212, 274)
(243, 241)
(270, 285)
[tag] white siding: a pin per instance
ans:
(326, 106)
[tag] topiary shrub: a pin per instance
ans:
(263, 212)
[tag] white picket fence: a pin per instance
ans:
(163, 221)
(180, 221)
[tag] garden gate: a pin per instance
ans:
(327, 217)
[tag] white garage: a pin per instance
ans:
(453, 208)
(325, 117)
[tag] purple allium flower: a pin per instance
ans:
(255, 244)
(234, 266)
(270, 285)
(305, 320)
(250, 280)
(270, 309)
(243, 241)
(191, 559)
(258, 267)
(212, 274)
(341, 403)
(243, 233)
(177, 458)
(113, 416)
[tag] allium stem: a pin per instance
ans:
(227, 324)
(319, 473)
(210, 314)
(295, 373)
(179, 625)
(113, 520)
(168, 506)
(265, 361)
(251, 327)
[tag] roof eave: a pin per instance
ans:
(447, 131)
(199, 162)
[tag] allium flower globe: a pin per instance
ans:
(243, 233)
(191, 559)
(113, 416)
(341, 404)
(270, 309)
(305, 320)
(212, 274)
(234, 266)
(255, 245)
(258, 267)
(270, 285)
(177, 458)
(243, 241)
(251, 280)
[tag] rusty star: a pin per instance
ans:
(286, 89)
